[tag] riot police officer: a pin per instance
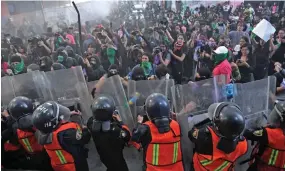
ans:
(109, 133)
(219, 144)
(159, 137)
(21, 109)
(12, 154)
(269, 153)
(63, 140)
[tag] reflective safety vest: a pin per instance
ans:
(11, 147)
(219, 160)
(274, 153)
(28, 140)
(61, 160)
(164, 151)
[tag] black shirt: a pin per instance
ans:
(179, 53)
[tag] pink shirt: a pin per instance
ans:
(70, 38)
(224, 68)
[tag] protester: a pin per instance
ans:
(246, 64)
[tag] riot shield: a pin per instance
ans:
(28, 85)
(69, 85)
(113, 87)
(138, 91)
(90, 85)
(196, 97)
(256, 100)
(7, 91)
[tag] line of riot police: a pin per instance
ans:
(45, 138)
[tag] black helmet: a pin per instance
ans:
(48, 116)
(277, 115)
(20, 106)
(103, 108)
(157, 106)
(228, 119)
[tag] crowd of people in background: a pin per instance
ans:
(154, 42)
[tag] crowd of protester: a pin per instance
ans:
(155, 41)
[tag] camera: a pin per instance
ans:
(34, 40)
(156, 50)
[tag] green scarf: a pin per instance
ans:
(19, 67)
(214, 25)
(146, 67)
(111, 55)
(60, 58)
(166, 41)
(58, 41)
(218, 58)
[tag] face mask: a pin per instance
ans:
(92, 62)
(112, 72)
(111, 55)
(18, 67)
(146, 64)
(60, 58)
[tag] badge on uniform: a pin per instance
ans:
(195, 133)
(123, 134)
(258, 133)
(78, 134)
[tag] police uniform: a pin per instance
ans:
(159, 137)
(109, 135)
(207, 156)
(269, 153)
(63, 140)
(13, 155)
(218, 145)
(21, 109)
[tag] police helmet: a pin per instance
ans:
(48, 116)
(20, 106)
(157, 106)
(228, 119)
(103, 108)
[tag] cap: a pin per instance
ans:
(221, 50)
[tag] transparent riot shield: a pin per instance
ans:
(196, 97)
(113, 87)
(90, 85)
(256, 100)
(28, 85)
(186, 122)
(7, 91)
(138, 91)
(69, 85)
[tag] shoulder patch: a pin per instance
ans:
(195, 133)
(78, 134)
(258, 133)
